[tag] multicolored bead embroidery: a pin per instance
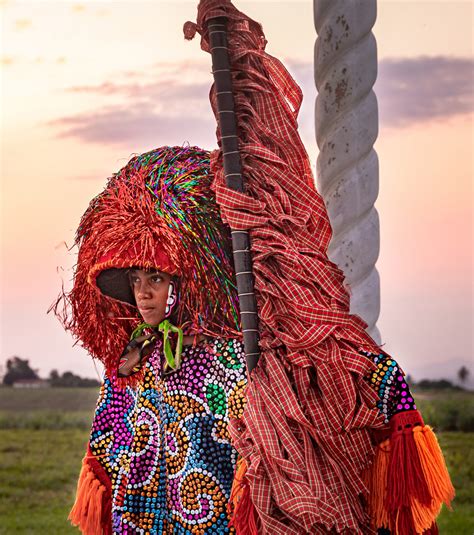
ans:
(389, 382)
(166, 446)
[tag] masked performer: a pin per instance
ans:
(324, 436)
(154, 276)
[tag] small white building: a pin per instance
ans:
(31, 383)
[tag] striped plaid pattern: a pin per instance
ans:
(307, 430)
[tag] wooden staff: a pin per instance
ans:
(227, 123)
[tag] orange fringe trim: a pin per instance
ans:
(240, 507)
(88, 509)
(376, 479)
(416, 517)
(434, 465)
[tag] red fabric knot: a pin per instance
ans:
(190, 29)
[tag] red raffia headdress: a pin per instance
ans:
(159, 211)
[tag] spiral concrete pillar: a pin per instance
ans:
(346, 115)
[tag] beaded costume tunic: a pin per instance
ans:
(165, 444)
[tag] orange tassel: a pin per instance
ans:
(434, 465)
(376, 479)
(80, 504)
(94, 511)
(408, 481)
(423, 515)
(240, 506)
(87, 511)
(436, 476)
(237, 484)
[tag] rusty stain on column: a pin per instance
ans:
(346, 116)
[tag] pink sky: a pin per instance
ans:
(86, 85)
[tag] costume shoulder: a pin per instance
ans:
(106, 457)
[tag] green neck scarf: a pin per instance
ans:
(174, 361)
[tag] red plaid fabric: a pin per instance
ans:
(307, 430)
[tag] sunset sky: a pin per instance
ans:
(86, 85)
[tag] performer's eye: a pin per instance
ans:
(133, 278)
(157, 278)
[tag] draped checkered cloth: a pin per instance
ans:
(307, 432)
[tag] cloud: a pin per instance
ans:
(425, 88)
(172, 108)
(169, 102)
(136, 124)
(162, 79)
(167, 92)
(411, 90)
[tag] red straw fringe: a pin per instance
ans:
(240, 507)
(92, 508)
(408, 481)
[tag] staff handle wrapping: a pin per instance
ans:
(227, 122)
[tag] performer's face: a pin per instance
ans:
(150, 288)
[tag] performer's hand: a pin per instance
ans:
(135, 354)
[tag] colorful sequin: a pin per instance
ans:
(165, 445)
(390, 384)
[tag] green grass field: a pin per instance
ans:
(44, 436)
(39, 473)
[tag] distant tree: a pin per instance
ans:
(54, 378)
(17, 370)
(463, 374)
(437, 384)
(409, 379)
(70, 380)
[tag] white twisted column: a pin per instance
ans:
(345, 68)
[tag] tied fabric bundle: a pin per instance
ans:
(308, 435)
